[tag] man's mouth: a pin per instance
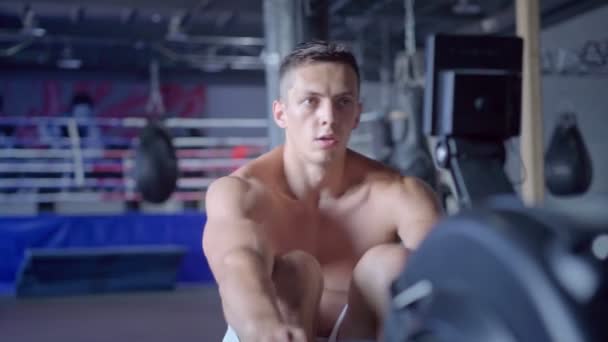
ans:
(328, 140)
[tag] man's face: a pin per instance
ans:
(319, 109)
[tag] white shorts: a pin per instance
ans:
(333, 337)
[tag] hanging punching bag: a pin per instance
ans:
(568, 168)
(156, 169)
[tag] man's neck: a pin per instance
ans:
(311, 182)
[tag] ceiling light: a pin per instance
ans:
(67, 61)
(464, 7)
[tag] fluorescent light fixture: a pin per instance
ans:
(69, 63)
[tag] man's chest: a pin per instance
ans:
(337, 236)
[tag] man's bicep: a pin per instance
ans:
(419, 211)
(221, 236)
(229, 226)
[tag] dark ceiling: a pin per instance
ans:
(224, 36)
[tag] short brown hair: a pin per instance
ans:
(318, 51)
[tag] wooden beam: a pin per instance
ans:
(531, 142)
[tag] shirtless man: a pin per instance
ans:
(305, 240)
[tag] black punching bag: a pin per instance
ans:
(156, 168)
(568, 169)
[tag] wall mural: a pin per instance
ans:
(590, 58)
(112, 99)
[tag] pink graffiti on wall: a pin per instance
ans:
(112, 99)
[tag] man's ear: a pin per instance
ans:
(359, 110)
(278, 113)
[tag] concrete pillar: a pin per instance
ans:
(287, 23)
(531, 141)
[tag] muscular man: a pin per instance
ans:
(305, 240)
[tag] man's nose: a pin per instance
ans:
(327, 113)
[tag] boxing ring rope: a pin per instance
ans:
(91, 197)
(112, 183)
(228, 123)
(133, 122)
(185, 164)
(80, 169)
(26, 153)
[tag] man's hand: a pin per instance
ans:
(273, 331)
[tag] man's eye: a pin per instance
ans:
(345, 101)
(309, 101)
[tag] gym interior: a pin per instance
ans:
(116, 116)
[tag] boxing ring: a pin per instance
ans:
(60, 190)
(39, 164)
(51, 168)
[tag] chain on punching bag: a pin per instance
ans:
(568, 168)
(410, 154)
(156, 166)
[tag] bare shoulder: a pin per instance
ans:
(263, 169)
(230, 194)
(242, 190)
(232, 204)
(415, 210)
(368, 170)
(408, 202)
(418, 194)
(389, 181)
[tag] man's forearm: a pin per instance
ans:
(247, 291)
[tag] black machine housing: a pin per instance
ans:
(472, 104)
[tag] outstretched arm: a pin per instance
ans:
(241, 261)
(413, 211)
